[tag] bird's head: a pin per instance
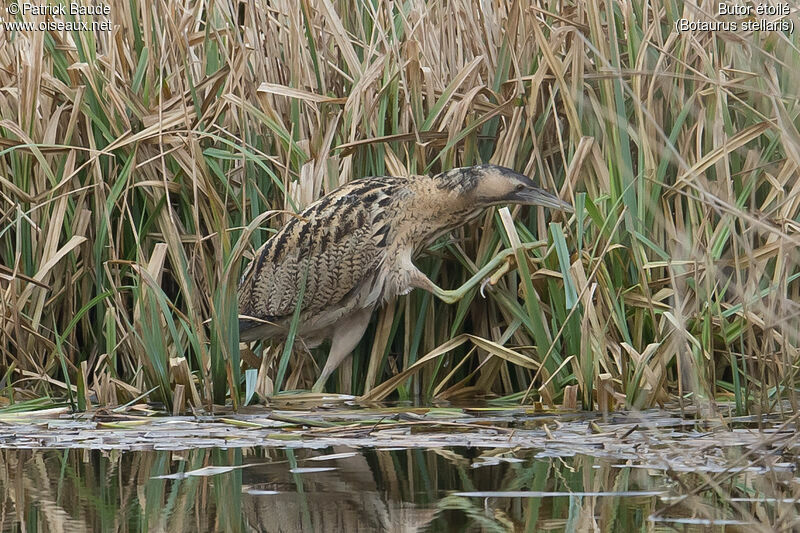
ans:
(487, 185)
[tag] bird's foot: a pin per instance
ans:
(501, 264)
(506, 267)
(484, 283)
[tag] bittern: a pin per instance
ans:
(351, 251)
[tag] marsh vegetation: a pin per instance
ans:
(140, 167)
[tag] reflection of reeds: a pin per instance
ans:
(409, 490)
(131, 161)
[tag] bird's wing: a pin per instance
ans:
(336, 244)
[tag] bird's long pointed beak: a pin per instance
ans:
(537, 196)
(533, 195)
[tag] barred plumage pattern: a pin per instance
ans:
(353, 249)
(336, 243)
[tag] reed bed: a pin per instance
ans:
(140, 167)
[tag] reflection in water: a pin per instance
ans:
(285, 490)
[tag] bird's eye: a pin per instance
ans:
(519, 187)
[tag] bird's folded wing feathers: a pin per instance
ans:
(335, 245)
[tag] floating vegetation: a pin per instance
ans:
(368, 468)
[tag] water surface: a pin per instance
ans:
(577, 475)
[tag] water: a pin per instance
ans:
(283, 490)
(532, 474)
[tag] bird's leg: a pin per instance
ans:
(344, 340)
(421, 281)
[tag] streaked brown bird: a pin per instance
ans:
(351, 251)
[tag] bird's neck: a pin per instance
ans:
(431, 212)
